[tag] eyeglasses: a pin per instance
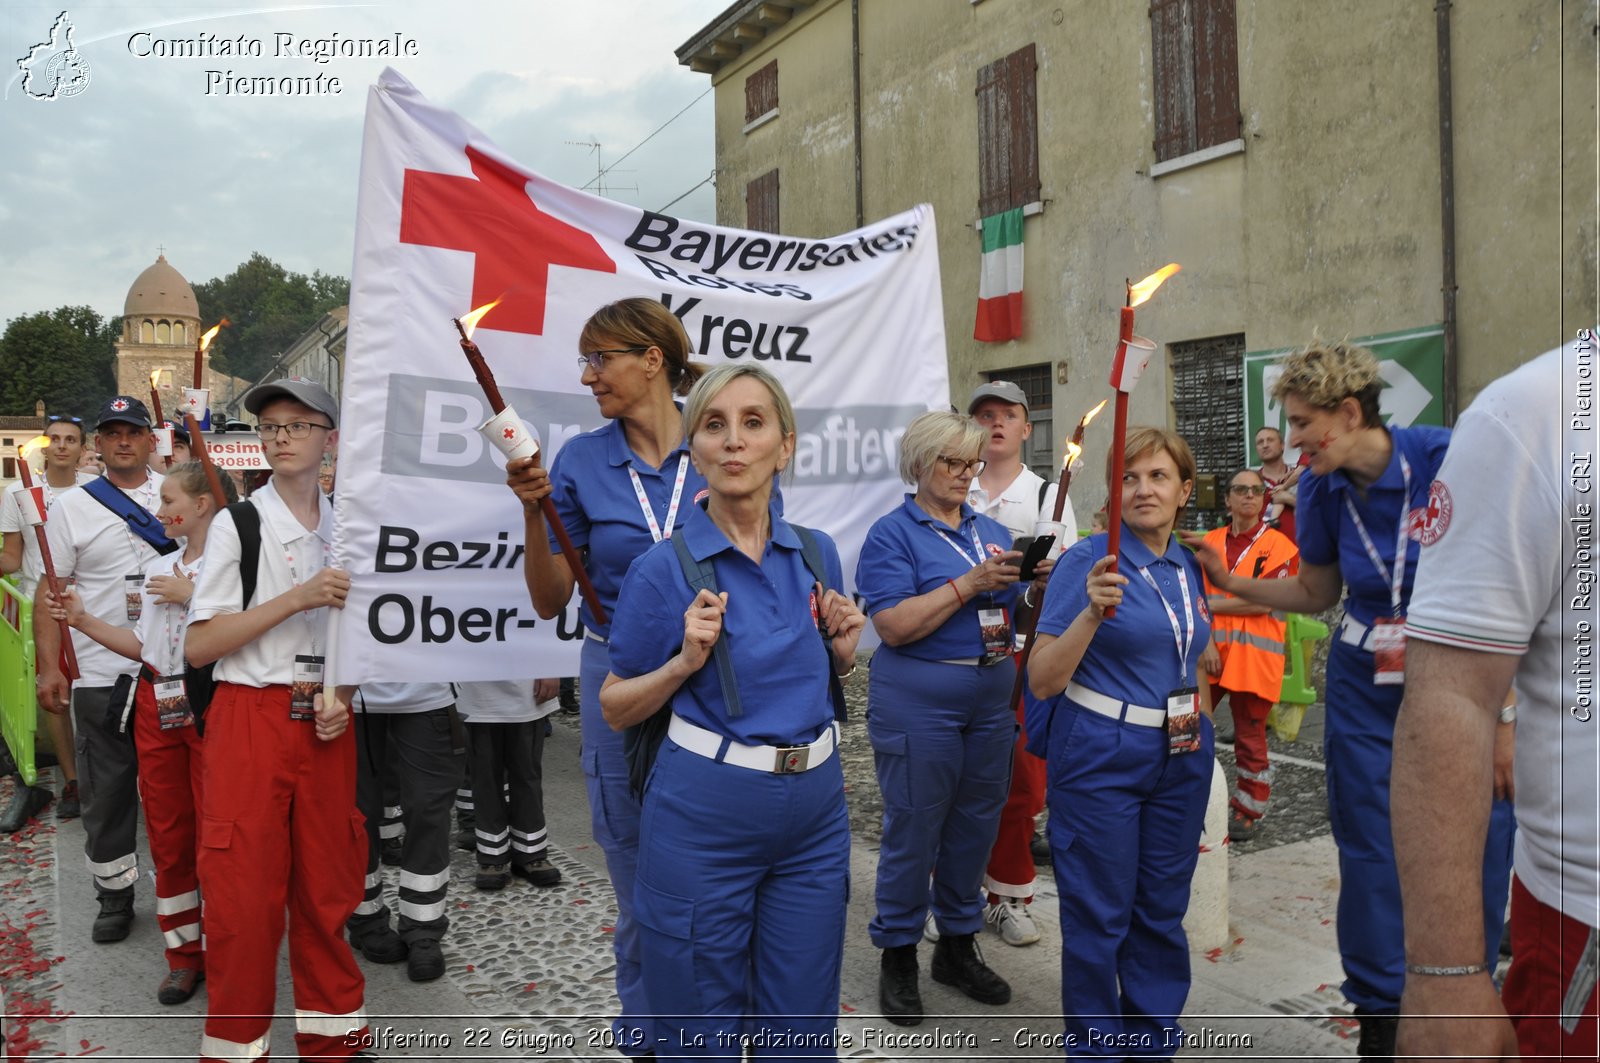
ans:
(596, 360)
(296, 430)
(56, 418)
(1247, 489)
(962, 466)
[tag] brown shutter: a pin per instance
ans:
(1022, 66)
(1008, 132)
(761, 92)
(1172, 69)
(994, 134)
(761, 203)
(1216, 73)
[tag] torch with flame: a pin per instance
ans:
(506, 431)
(162, 433)
(35, 495)
(36, 445)
(197, 399)
(1126, 368)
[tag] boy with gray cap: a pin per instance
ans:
(281, 830)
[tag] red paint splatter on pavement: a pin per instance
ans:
(845, 1007)
(530, 987)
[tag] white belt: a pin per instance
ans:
(590, 633)
(1127, 712)
(1353, 632)
(779, 760)
(974, 662)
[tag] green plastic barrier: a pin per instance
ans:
(19, 708)
(1297, 692)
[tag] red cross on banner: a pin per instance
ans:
(491, 215)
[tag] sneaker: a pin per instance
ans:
(898, 996)
(541, 872)
(179, 985)
(467, 840)
(116, 916)
(957, 962)
(930, 928)
(424, 961)
(391, 851)
(376, 940)
(492, 876)
(1011, 919)
(68, 807)
(1377, 1033)
(1241, 828)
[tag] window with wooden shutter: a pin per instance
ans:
(761, 92)
(1008, 133)
(1195, 64)
(761, 203)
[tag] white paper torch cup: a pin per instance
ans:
(163, 438)
(28, 502)
(198, 402)
(509, 435)
(1050, 527)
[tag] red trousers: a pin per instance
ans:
(1545, 947)
(281, 831)
(1252, 786)
(1011, 872)
(169, 789)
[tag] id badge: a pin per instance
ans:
(133, 595)
(1388, 652)
(996, 627)
(1183, 720)
(307, 681)
(172, 703)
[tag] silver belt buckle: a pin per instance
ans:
(791, 759)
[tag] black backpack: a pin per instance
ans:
(198, 682)
(642, 741)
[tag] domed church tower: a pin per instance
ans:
(160, 328)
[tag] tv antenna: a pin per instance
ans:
(598, 183)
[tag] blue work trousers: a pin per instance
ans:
(614, 817)
(1358, 748)
(1125, 823)
(744, 879)
(941, 739)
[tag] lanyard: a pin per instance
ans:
(977, 544)
(1182, 639)
(295, 580)
(656, 534)
(146, 498)
(1395, 578)
(174, 621)
(1247, 546)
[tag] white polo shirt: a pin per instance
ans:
(400, 698)
(502, 701)
(98, 550)
(1019, 509)
(161, 627)
(12, 522)
(290, 555)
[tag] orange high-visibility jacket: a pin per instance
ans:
(1251, 647)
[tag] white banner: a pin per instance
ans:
(852, 325)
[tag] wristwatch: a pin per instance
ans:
(1508, 714)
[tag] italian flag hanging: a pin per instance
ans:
(1000, 280)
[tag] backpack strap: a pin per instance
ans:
(812, 553)
(139, 520)
(247, 520)
(1044, 489)
(702, 576)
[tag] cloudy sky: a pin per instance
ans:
(153, 151)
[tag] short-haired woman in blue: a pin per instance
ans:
(744, 860)
(939, 582)
(1125, 729)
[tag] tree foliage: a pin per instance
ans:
(64, 356)
(268, 308)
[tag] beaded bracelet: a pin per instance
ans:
(1428, 969)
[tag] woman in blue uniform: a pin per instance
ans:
(744, 863)
(617, 489)
(939, 582)
(1365, 502)
(1125, 730)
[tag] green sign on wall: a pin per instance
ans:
(1412, 363)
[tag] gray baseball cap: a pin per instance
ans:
(306, 392)
(1004, 390)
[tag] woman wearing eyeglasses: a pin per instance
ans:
(1249, 641)
(618, 489)
(940, 583)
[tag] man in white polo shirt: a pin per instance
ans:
(281, 830)
(1505, 589)
(106, 554)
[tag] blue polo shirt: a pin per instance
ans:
(779, 659)
(1133, 656)
(907, 553)
(1327, 536)
(595, 498)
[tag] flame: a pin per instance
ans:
(469, 321)
(33, 446)
(155, 378)
(211, 333)
(1138, 293)
(1092, 414)
(1073, 450)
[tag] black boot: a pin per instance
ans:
(116, 916)
(1377, 1034)
(898, 997)
(957, 962)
